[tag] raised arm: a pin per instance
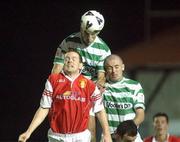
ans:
(57, 68)
(101, 79)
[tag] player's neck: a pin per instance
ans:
(161, 138)
(72, 75)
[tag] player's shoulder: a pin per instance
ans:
(74, 37)
(130, 81)
(101, 44)
(54, 76)
(173, 138)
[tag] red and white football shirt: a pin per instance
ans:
(70, 102)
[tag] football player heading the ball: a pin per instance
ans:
(90, 46)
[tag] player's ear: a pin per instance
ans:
(80, 66)
(123, 67)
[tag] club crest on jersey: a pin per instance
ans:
(82, 83)
(67, 93)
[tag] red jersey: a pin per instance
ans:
(171, 138)
(70, 102)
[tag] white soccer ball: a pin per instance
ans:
(92, 21)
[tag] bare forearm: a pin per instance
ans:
(102, 117)
(57, 68)
(139, 118)
(38, 118)
(101, 79)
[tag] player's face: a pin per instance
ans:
(114, 69)
(87, 37)
(128, 138)
(72, 63)
(160, 125)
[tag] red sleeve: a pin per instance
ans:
(148, 139)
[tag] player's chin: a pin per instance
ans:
(88, 42)
(114, 79)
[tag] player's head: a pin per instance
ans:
(126, 131)
(92, 22)
(160, 123)
(114, 68)
(72, 62)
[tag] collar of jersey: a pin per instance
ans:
(69, 78)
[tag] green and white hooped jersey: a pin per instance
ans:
(93, 55)
(120, 101)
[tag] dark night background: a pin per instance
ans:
(31, 32)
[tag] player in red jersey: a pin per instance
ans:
(67, 100)
(160, 123)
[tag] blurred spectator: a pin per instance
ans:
(161, 124)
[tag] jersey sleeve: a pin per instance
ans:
(97, 101)
(61, 50)
(139, 97)
(100, 65)
(46, 99)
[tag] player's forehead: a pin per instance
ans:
(160, 118)
(114, 62)
(95, 33)
(72, 55)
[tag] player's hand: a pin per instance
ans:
(100, 83)
(107, 138)
(101, 88)
(24, 137)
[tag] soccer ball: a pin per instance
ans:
(92, 21)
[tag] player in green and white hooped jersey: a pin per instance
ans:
(90, 46)
(123, 97)
(93, 55)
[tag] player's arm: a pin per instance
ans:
(38, 118)
(57, 68)
(139, 105)
(59, 57)
(100, 113)
(101, 79)
(102, 117)
(140, 115)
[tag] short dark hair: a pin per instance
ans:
(127, 127)
(161, 114)
(80, 57)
